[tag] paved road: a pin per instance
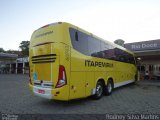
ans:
(15, 98)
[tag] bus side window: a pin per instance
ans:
(94, 47)
(79, 41)
(76, 36)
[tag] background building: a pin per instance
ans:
(10, 63)
(148, 53)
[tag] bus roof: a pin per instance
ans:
(76, 27)
(113, 44)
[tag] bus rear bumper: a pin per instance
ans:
(43, 92)
(49, 93)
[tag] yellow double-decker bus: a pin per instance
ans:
(67, 62)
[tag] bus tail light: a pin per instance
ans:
(62, 79)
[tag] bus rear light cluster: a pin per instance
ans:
(62, 79)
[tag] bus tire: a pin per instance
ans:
(108, 88)
(99, 90)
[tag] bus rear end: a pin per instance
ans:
(48, 77)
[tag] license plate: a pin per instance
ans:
(41, 91)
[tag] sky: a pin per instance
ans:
(130, 20)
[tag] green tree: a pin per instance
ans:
(119, 42)
(2, 50)
(24, 46)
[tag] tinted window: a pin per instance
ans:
(123, 56)
(93, 47)
(107, 51)
(88, 45)
(79, 41)
(131, 59)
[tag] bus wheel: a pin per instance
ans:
(99, 90)
(109, 88)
